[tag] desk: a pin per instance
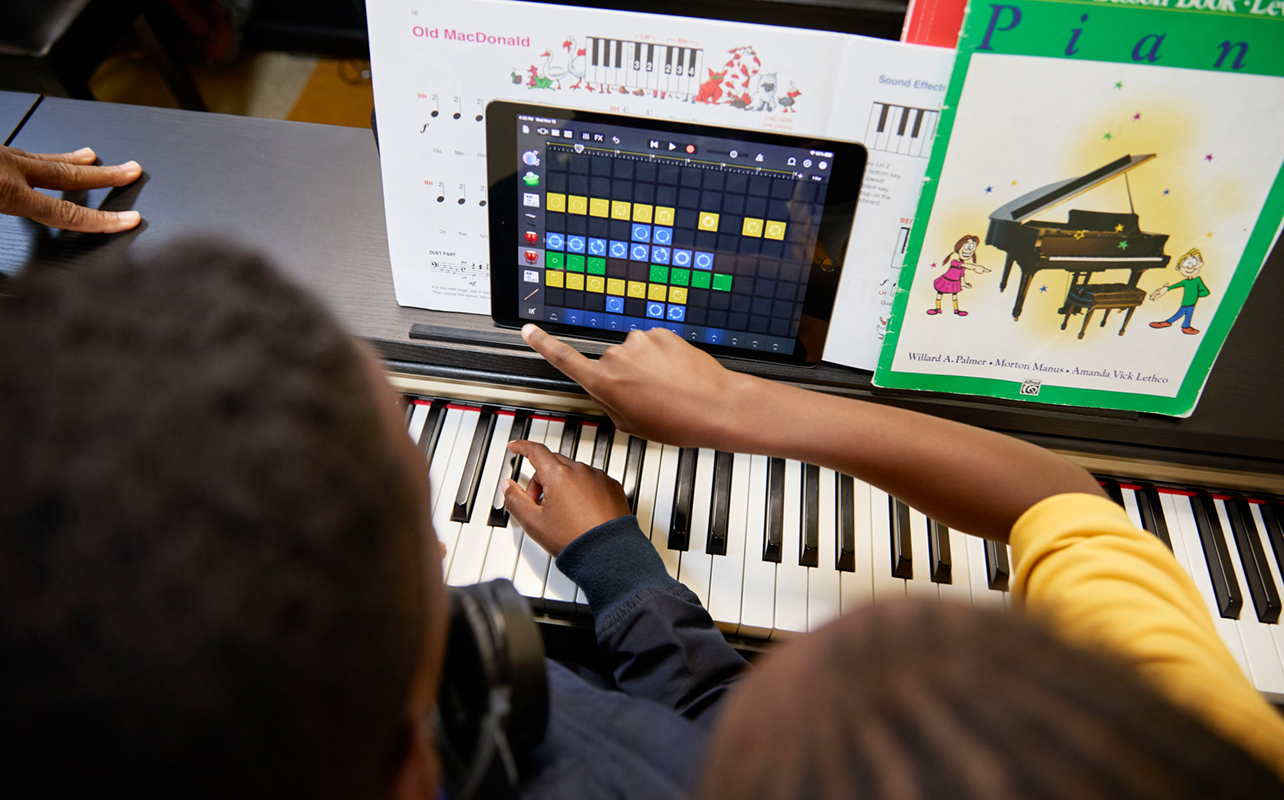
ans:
(310, 197)
(13, 107)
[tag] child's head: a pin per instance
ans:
(966, 247)
(932, 700)
(1190, 264)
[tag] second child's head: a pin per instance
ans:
(1191, 263)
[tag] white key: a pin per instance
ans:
(1182, 521)
(758, 601)
(619, 456)
(532, 563)
(959, 589)
(1130, 505)
(662, 508)
(1277, 631)
(791, 577)
(858, 585)
(584, 455)
(1259, 646)
(982, 595)
(824, 601)
(726, 586)
(474, 537)
(441, 457)
(448, 531)
(417, 419)
(893, 128)
(920, 586)
(887, 587)
(695, 566)
(506, 543)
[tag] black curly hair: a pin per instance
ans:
(210, 574)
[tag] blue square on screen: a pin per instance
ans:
(702, 260)
(662, 235)
(641, 233)
(575, 244)
(615, 305)
(619, 249)
(640, 252)
(677, 313)
(659, 255)
(554, 241)
(597, 247)
(681, 258)
(655, 310)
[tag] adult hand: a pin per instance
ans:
(21, 173)
(655, 386)
(564, 498)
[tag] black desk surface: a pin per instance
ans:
(310, 196)
(13, 107)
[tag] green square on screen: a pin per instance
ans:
(722, 282)
(680, 277)
(576, 263)
(596, 266)
(700, 279)
(659, 274)
(554, 260)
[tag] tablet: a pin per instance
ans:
(602, 224)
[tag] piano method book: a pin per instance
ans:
(1104, 189)
(437, 65)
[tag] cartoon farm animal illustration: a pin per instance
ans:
(517, 79)
(1193, 288)
(952, 281)
(537, 81)
(711, 90)
(764, 95)
(576, 68)
(789, 98)
(739, 73)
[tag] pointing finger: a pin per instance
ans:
(540, 457)
(62, 175)
(68, 216)
(560, 354)
(84, 155)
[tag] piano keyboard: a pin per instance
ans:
(774, 547)
(657, 68)
(900, 129)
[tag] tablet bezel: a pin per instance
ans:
(834, 233)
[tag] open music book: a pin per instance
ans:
(437, 65)
(1105, 186)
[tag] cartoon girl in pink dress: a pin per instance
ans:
(952, 281)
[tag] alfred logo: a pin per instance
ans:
(1031, 388)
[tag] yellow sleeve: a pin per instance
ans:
(1084, 570)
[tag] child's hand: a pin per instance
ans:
(1160, 292)
(655, 386)
(576, 497)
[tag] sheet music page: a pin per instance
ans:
(437, 65)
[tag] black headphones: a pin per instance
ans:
(493, 704)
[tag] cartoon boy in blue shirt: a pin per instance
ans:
(1192, 287)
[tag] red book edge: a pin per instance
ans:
(934, 22)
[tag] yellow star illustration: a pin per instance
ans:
(1209, 234)
(1079, 234)
(1014, 183)
(1119, 228)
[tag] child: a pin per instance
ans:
(1192, 286)
(952, 281)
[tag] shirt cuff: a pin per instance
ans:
(612, 563)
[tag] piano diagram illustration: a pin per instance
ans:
(901, 129)
(1087, 243)
(613, 66)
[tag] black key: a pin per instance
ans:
(1116, 493)
(680, 520)
(633, 471)
(938, 551)
(409, 410)
(512, 467)
(432, 429)
(721, 510)
(596, 44)
(809, 543)
(668, 61)
(773, 544)
(602, 446)
(882, 119)
(1273, 518)
(905, 112)
(902, 548)
(619, 53)
(997, 570)
(1225, 585)
(1152, 514)
(1261, 585)
(570, 439)
(467, 494)
(846, 524)
(918, 122)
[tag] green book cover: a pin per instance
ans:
(1105, 186)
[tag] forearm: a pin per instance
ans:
(965, 477)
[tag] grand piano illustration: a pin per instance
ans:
(1087, 243)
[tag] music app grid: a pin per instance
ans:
(631, 229)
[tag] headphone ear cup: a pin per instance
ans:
(523, 664)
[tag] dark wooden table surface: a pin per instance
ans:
(310, 197)
(13, 107)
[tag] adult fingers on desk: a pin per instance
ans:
(84, 155)
(62, 175)
(69, 216)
